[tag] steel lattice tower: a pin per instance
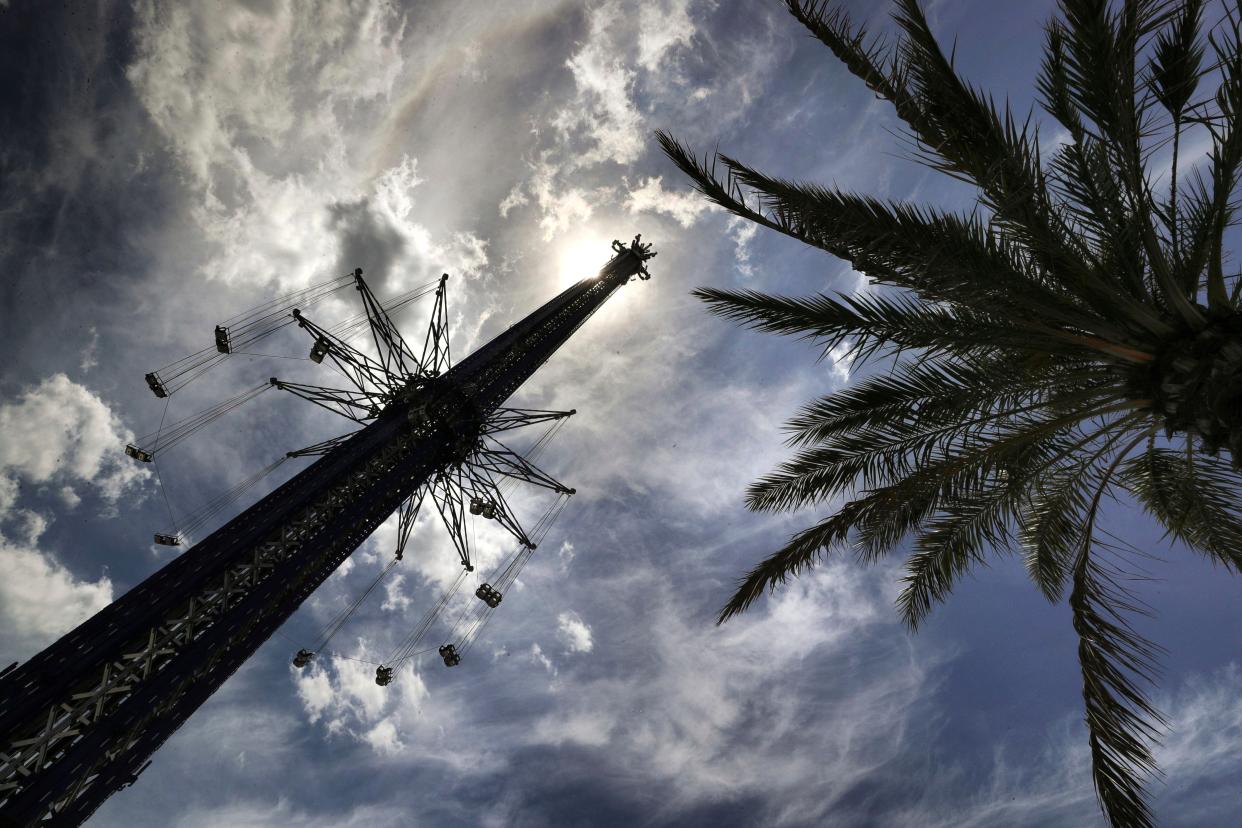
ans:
(80, 720)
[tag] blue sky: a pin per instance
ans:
(164, 166)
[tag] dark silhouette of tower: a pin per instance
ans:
(80, 720)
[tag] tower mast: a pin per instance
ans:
(80, 720)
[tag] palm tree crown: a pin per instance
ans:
(1076, 338)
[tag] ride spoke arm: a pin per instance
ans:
(500, 459)
(449, 496)
(358, 368)
(436, 358)
(395, 355)
(406, 516)
(359, 406)
(507, 419)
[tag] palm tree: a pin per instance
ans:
(1077, 340)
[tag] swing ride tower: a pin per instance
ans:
(80, 720)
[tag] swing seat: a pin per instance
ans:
(450, 655)
(139, 453)
(488, 595)
(164, 539)
(302, 658)
(319, 350)
(383, 676)
(156, 385)
(222, 340)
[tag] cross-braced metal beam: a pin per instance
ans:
(448, 495)
(436, 358)
(497, 458)
(394, 354)
(359, 406)
(507, 419)
(407, 515)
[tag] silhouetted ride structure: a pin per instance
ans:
(80, 720)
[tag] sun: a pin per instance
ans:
(581, 256)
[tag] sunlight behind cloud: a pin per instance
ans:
(581, 256)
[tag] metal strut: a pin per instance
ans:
(359, 406)
(436, 359)
(366, 374)
(395, 355)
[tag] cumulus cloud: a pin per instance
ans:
(683, 205)
(61, 431)
(57, 432)
(603, 120)
(663, 27)
(574, 633)
(282, 192)
(39, 598)
(602, 125)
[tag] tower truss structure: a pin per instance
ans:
(81, 719)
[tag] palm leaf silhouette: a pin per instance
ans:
(1072, 337)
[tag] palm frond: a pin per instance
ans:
(935, 388)
(890, 324)
(1195, 498)
(1045, 335)
(942, 256)
(802, 552)
(908, 448)
(1114, 658)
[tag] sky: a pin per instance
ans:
(165, 166)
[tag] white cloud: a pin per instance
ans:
(566, 553)
(60, 430)
(679, 711)
(683, 205)
(1052, 784)
(68, 495)
(383, 738)
(515, 198)
(602, 123)
(562, 207)
(57, 432)
(314, 689)
(394, 596)
(8, 493)
(39, 598)
(842, 361)
(743, 233)
(574, 633)
(256, 106)
(603, 116)
(663, 26)
(537, 656)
